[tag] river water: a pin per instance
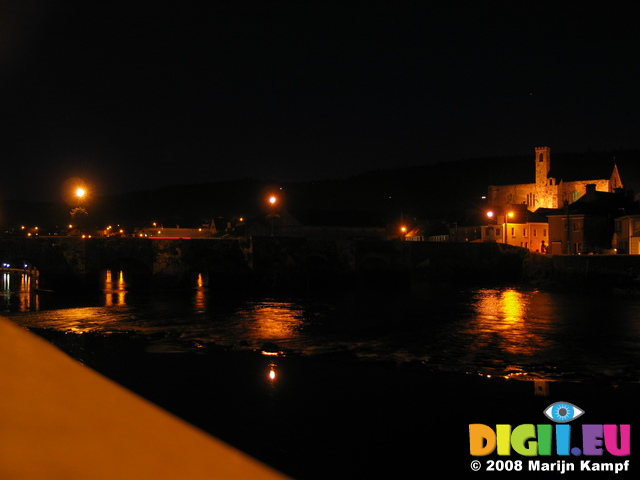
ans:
(510, 332)
(507, 330)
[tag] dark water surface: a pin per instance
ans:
(366, 383)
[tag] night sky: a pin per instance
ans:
(138, 95)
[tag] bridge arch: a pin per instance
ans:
(374, 263)
(316, 263)
(135, 273)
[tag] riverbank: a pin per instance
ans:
(583, 272)
(335, 417)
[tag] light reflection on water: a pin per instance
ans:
(18, 292)
(504, 321)
(114, 290)
(515, 332)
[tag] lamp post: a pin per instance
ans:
(506, 225)
(506, 216)
(272, 215)
(78, 212)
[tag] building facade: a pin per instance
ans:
(555, 186)
(515, 225)
(626, 239)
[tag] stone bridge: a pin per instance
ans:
(70, 263)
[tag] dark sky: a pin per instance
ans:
(137, 95)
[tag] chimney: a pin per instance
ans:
(591, 188)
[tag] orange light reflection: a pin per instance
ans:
(502, 322)
(115, 292)
(200, 299)
(22, 296)
(276, 321)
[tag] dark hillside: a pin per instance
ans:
(444, 190)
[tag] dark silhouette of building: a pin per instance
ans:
(588, 224)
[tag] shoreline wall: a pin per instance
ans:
(74, 264)
(583, 272)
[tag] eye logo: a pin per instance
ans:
(562, 412)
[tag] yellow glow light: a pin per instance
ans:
(80, 192)
(272, 200)
(490, 214)
(271, 354)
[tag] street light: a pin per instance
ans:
(79, 212)
(506, 225)
(272, 214)
(507, 215)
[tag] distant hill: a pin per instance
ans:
(444, 190)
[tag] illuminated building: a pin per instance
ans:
(517, 226)
(565, 181)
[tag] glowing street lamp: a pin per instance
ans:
(79, 211)
(272, 214)
(506, 224)
(507, 216)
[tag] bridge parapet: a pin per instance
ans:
(73, 262)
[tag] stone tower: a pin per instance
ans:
(543, 165)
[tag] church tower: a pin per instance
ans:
(543, 165)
